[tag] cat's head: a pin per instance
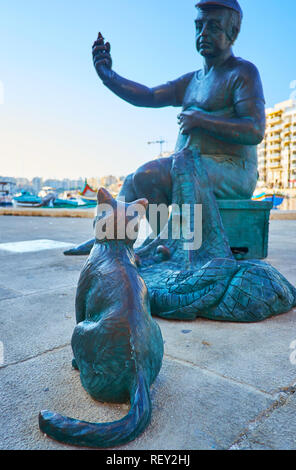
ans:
(116, 219)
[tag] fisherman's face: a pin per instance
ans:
(211, 31)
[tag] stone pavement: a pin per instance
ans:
(222, 385)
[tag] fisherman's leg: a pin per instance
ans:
(81, 250)
(154, 182)
(128, 192)
(231, 179)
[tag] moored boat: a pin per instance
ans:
(5, 196)
(51, 200)
(26, 199)
(276, 198)
(88, 194)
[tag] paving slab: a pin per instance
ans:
(282, 248)
(27, 273)
(192, 409)
(217, 381)
(33, 324)
(29, 228)
(256, 354)
(275, 431)
(8, 293)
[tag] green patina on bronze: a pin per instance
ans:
(117, 347)
(208, 282)
(222, 111)
(246, 224)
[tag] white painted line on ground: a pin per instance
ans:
(33, 245)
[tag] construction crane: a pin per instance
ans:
(160, 142)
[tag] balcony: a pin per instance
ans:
(276, 120)
(286, 133)
(275, 146)
(275, 139)
(274, 155)
(286, 123)
(274, 166)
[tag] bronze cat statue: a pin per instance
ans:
(117, 346)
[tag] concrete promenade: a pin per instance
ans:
(89, 213)
(222, 385)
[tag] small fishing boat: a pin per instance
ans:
(70, 203)
(276, 198)
(88, 194)
(50, 200)
(259, 197)
(27, 199)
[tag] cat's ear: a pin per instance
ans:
(142, 202)
(104, 197)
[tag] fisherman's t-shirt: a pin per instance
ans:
(217, 93)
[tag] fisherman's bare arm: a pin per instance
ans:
(132, 92)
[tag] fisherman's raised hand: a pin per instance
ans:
(101, 57)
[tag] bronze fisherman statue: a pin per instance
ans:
(117, 347)
(222, 110)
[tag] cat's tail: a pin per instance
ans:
(84, 434)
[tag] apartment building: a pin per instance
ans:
(277, 152)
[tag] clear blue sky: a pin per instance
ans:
(58, 120)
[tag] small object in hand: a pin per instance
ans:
(164, 252)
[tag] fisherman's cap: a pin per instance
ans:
(233, 4)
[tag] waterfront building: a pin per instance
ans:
(277, 152)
